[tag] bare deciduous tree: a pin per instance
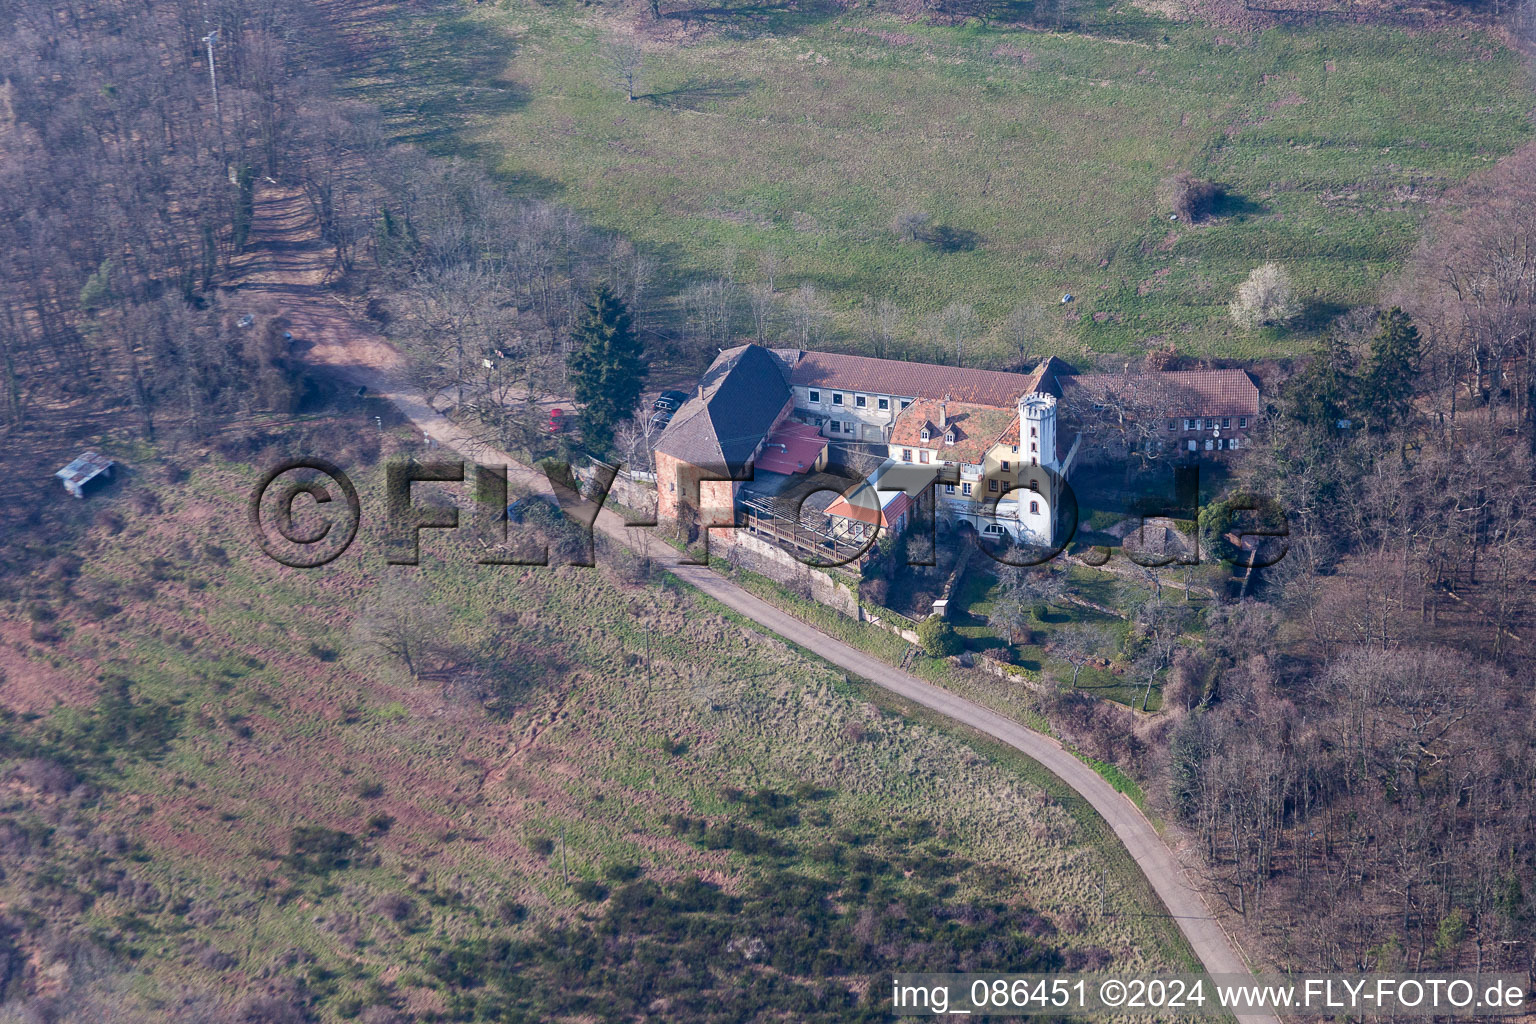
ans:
(908, 224)
(625, 61)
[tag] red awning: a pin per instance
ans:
(792, 448)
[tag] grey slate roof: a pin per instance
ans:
(731, 411)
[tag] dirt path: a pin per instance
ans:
(286, 264)
(352, 351)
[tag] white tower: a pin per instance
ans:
(1037, 431)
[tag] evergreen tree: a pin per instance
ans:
(1326, 391)
(607, 370)
(1389, 380)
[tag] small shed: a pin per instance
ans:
(83, 470)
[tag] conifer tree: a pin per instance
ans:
(1393, 370)
(607, 368)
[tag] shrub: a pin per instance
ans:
(394, 906)
(937, 637)
(876, 591)
(623, 872)
(592, 892)
(999, 654)
(1188, 196)
(46, 776)
(315, 849)
(271, 1009)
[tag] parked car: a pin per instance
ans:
(670, 401)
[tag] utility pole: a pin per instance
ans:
(213, 79)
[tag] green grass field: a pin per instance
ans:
(1042, 150)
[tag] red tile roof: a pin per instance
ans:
(1170, 393)
(792, 448)
(861, 507)
(977, 428)
(911, 380)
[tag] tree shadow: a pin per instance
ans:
(748, 20)
(1317, 314)
(694, 93)
(950, 239)
(1229, 204)
(431, 85)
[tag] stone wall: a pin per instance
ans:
(760, 556)
(639, 495)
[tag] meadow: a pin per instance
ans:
(1035, 155)
(251, 787)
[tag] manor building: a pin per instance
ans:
(990, 444)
